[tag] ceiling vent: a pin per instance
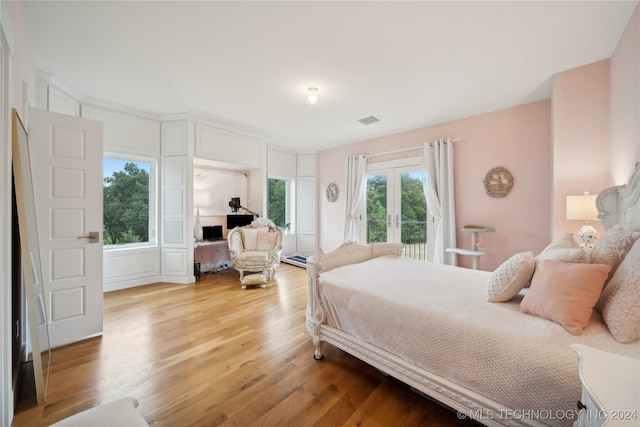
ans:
(368, 120)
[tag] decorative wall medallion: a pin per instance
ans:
(332, 192)
(498, 182)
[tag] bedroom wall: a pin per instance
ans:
(517, 138)
(580, 123)
(17, 78)
(625, 102)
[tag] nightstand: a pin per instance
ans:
(610, 388)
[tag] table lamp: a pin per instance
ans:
(583, 208)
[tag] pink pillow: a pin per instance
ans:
(565, 292)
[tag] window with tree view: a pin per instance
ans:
(126, 201)
(278, 208)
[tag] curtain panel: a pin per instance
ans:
(437, 157)
(356, 196)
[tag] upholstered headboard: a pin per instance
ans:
(620, 203)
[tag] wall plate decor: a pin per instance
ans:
(332, 192)
(498, 182)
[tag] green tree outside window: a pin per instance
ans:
(126, 204)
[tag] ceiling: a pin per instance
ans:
(248, 64)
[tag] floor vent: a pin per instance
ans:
(369, 120)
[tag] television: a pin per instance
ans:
(234, 221)
(212, 232)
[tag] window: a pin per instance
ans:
(279, 207)
(128, 218)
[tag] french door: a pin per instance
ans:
(396, 208)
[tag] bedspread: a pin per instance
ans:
(436, 317)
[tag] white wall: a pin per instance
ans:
(17, 86)
(6, 319)
(128, 134)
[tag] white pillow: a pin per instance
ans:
(565, 249)
(614, 245)
(510, 277)
(619, 302)
(249, 238)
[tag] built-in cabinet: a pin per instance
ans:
(306, 240)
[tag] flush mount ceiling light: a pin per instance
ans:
(312, 94)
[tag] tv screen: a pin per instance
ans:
(212, 232)
(234, 221)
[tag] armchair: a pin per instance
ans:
(256, 248)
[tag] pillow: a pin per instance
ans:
(620, 300)
(266, 240)
(249, 239)
(510, 277)
(565, 292)
(262, 222)
(614, 245)
(564, 249)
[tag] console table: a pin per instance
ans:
(212, 255)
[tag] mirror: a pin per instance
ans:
(38, 333)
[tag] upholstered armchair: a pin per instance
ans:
(256, 248)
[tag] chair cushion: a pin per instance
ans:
(249, 239)
(259, 257)
(266, 240)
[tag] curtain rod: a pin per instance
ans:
(402, 150)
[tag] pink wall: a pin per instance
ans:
(580, 123)
(516, 138)
(625, 102)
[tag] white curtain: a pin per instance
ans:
(437, 157)
(356, 196)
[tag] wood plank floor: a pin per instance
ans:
(212, 354)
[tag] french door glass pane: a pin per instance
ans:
(376, 209)
(413, 225)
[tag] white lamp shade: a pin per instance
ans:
(582, 207)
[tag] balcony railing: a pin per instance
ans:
(413, 236)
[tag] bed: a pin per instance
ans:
(431, 326)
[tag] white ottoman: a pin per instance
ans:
(255, 279)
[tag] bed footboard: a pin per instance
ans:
(349, 253)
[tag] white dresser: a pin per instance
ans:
(610, 389)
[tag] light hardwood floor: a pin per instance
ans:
(212, 354)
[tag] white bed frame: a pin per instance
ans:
(615, 204)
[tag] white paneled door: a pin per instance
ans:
(66, 159)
